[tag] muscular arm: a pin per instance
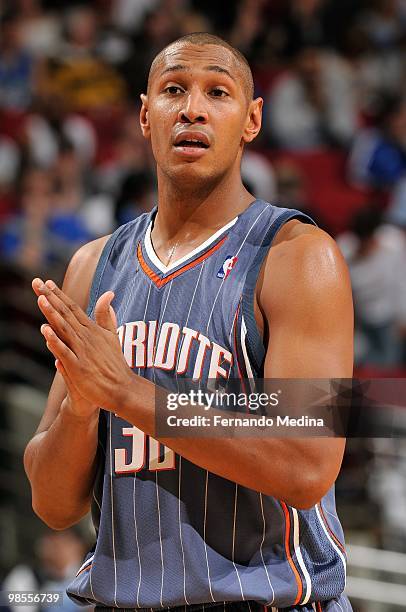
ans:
(305, 296)
(60, 460)
(305, 299)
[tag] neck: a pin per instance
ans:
(186, 213)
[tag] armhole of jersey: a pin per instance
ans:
(253, 340)
(101, 266)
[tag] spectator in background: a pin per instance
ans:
(313, 105)
(376, 255)
(258, 173)
(304, 25)
(248, 26)
(114, 180)
(49, 125)
(58, 556)
(40, 30)
(384, 22)
(129, 15)
(137, 196)
(77, 73)
(292, 189)
(129, 154)
(16, 65)
(378, 156)
(380, 33)
(9, 166)
(40, 234)
(160, 27)
(395, 215)
(23, 239)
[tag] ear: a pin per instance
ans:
(144, 121)
(254, 120)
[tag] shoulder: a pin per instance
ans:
(304, 264)
(89, 252)
(81, 269)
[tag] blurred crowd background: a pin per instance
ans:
(74, 166)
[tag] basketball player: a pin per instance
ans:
(211, 283)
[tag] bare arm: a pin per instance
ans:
(60, 460)
(305, 298)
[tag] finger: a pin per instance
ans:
(102, 312)
(36, 284)
(60, 326)
(66, 307)
(59, 348)
(72, 390)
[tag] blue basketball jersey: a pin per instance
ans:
(170, 533)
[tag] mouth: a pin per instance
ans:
(191, 144)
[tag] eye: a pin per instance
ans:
(173, 89)
(218, 93)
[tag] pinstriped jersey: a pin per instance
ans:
(170, 533)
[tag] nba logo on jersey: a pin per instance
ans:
(227, 266)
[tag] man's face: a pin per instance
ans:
(197, 114)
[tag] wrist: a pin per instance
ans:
(73, 412)
(137, 403)
(122, 394)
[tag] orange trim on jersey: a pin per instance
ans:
(318, 606)
(336, 540)
(289, 556)
(160, 282)
(84, 569)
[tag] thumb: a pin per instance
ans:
(104, 313)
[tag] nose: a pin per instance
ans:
(194, 108)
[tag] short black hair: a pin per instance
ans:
(205, 38)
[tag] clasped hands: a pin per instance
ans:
(87, 353)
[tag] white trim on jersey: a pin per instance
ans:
(145, 312)
(160, 538)
(333, 544)
(204, 534)
(299, 557)
(89, 560)
(164, 269)
(112, 514)
(136, 539)
(91, 584)
(262, 554)
(234, 520)
(180, 457)
(245, 354)
(159, 326)
(96, 500)
(244, 348)
(180, 529)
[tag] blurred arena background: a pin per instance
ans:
(73, 165)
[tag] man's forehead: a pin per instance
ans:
(191, 55)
